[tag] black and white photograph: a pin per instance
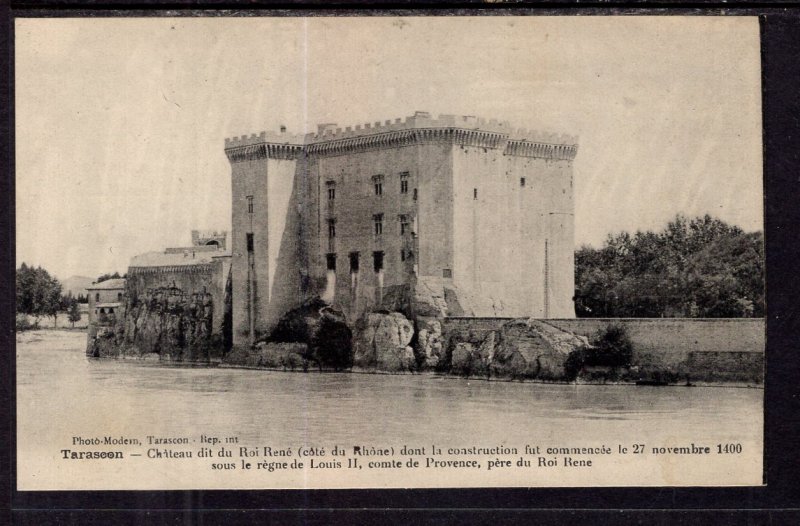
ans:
(319, 252)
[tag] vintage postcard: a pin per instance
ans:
(389, 252)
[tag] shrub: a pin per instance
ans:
(23, 323)
(575, 362)
(612, 348)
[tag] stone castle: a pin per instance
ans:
(476, 213)
(416, 245)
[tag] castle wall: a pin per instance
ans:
(509, 249)
(513, 239)
(189, 280)
(353, 210)
(435, 208)
(545, 235)
(267, 272)
(249, 274)
(482, 239)
(283, 246)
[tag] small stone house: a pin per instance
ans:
(105, 300)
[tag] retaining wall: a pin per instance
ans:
(713, 349)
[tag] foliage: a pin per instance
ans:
(331, 346)
(37, 293)
(574, 363)
(23, 323)
(74, 313)
(701, 267)
(106, 277)
(611, 347)
(323, 329)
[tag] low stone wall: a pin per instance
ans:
(674, 349)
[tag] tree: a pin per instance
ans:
(38, 293)
(74, 313)
(700, 267)
(106, 277)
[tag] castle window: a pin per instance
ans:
(377, 180)
(474, 193)
(447, 273)
(331, 190)
(522, 182)
(404, 183)
(353, 261)
(415, 194)
(331, 261)
(402, 254)
(377, 261)
(119, 296)
(378, 219)
(250, 242)
(249, 204)
(97, 297)
(331, 228)
(403, 224)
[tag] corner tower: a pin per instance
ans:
(266, 183)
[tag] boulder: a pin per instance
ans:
(534, 349)
(429, 345)
(381, 343)
(530, 349)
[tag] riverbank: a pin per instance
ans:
(56, 339)
(66, 340)
(443, 376)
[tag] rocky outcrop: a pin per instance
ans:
(281, 356)
(381, 342)
(439, 297)
(163, 322)
(322, 329)
(520, 349)
(429, 348)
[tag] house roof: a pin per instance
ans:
(109, 284)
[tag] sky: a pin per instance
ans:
(120, 122)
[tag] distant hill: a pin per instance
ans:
(76, 284)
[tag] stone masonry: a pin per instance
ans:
(352, 214)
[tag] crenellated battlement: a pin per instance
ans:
(421, 127)
(421, 119)
(265, 137)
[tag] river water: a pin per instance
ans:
(62, 394)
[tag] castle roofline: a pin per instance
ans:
(419, 121)
(171, 259)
